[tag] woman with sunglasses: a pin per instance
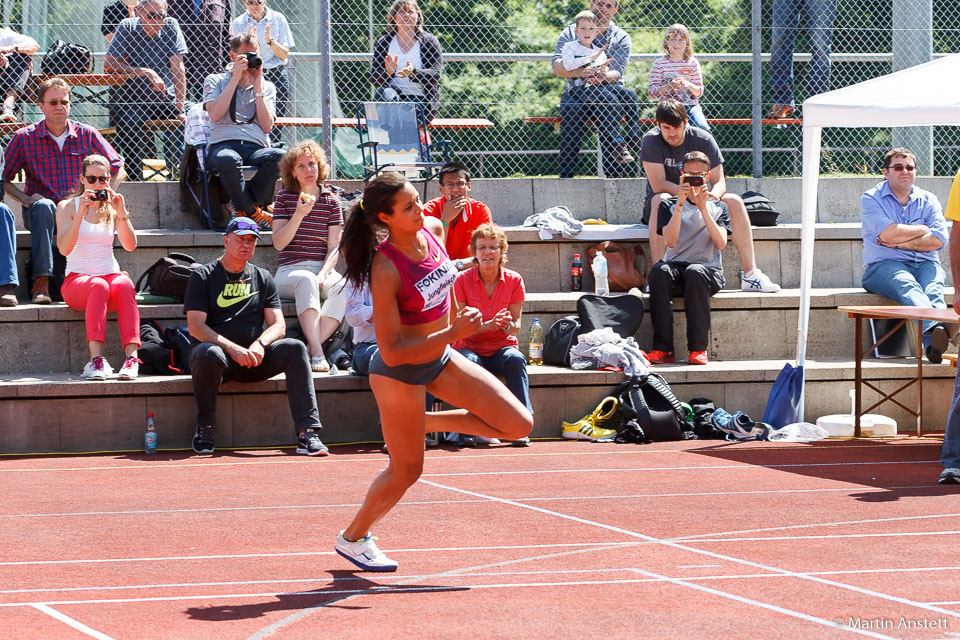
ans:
(87, 221)
(407, 61)
(306, 231)
(389, 243)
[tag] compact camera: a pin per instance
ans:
(693, 181)
(253, 60)
(101, 194)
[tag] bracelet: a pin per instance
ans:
(271, 42)
(123, 218)
(446, 224)
(258, 94)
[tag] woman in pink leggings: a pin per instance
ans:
(86, 224)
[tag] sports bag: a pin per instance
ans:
(623, 314)
(64, 57)
(169, 275)
(784, 397)
(622, 261)
(560, 338)
(649, 402)
(162, 350)
(759, 209)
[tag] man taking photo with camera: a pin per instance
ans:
(242, 109)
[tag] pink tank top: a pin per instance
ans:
(425, 295)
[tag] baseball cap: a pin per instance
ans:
(243, 226)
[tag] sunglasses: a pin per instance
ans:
(96, 179)
(254, 3)
(153, 15)
(245, 226)
(54, 103)
(903, 167)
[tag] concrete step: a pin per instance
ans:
(63, 413)
(52, 338)
(545, 264)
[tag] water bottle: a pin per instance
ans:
(535, 348)
(576, 273)
(150, 437)
(601, 287)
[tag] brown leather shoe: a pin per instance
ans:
(8, 297)
(40, 293)
(780, 111)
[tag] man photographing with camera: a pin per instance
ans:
(242, 109)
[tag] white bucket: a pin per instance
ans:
(840, 425)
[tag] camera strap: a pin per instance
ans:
(233, 110)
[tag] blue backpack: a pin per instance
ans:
(782, 405)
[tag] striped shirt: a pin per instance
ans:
(310, 241)
(664, 70)
(50, 172)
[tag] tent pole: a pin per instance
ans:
(808, 207)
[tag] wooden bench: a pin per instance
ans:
(438, 123)
(84, 81)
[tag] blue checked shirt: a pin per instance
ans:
(879, 208)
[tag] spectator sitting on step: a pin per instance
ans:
(360, 317)
(87, 222)
(610, 105)
(460, 215)
(407, 61)
(694, 228)
(307, 220)
(903, 230)
(15, 68)
(152, 47)
(498, 293)
(50, 153)
(663, 148)
(8, 253)
(227, 303)
(242, 109)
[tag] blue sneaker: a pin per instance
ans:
(721, 419)
(740, 426)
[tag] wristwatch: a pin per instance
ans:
(270, 42)
(459, 264)
(262, 343)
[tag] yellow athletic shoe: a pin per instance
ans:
(588, 428)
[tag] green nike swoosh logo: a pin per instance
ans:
(227, 302)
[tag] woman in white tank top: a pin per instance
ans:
(86, 224)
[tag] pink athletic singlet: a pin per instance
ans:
(425, 295)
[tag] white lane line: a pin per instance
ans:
(711, 554)
(226, 556)
(712, 467)
(79, 626)
(764, 605)
(835, 536)
(632, 496)
(839, 523)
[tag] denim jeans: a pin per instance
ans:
(579, 104)
(40, 219)
(227, 157)
(362, 354)
(509, 363)
(210, 367)
(8, 247)
(697, 119)
(915, 284)
(950, 451)
(786, 15)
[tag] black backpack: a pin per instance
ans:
(163, 351)
(760, 209)
(622, 313)
(560, 338)
(64, 57)
(169, 275)
(647, 403)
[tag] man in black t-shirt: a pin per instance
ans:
(662, 151)
(227, 303)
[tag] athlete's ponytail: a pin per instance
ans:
(363, 229)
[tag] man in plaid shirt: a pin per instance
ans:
(50, 153)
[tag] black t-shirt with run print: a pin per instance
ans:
(233, 302)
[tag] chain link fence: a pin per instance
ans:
(497, 66)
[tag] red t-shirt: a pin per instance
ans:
(460, 230)
(470, 291)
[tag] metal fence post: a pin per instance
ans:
(913, 45)
(757, 94)
(326, 84)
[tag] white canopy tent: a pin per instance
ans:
(924, 95)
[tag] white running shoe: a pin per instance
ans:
(758, 282)
(97, 369)
(486, 440)
(365, 554)
(130, 369)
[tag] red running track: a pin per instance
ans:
(562, 540)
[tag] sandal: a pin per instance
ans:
(319, 364)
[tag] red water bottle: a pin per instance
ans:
(576, 273)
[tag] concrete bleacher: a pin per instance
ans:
(46, 406)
